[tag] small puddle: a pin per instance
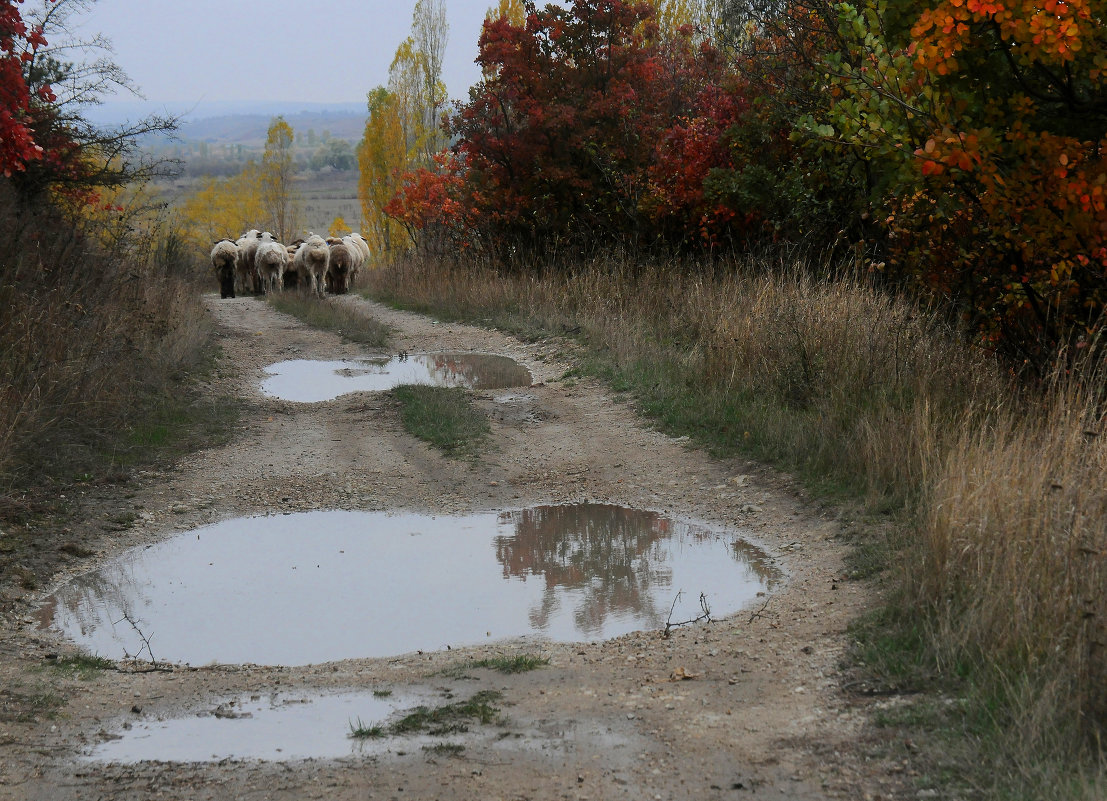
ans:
(305, 381)
(322, 586)
(264, 728)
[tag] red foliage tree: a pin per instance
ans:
(589, 128)
(18, 44)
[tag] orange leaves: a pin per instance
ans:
(1049, 32)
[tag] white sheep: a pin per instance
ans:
(224, 255)
(246, 277)
(359, 253)
(313, 259)
(270, 260)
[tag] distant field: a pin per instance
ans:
(322, 196)
(327, 195)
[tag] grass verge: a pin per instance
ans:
(324, 313)
(443, 416)
(977, 505)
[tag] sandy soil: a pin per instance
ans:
(766, 716)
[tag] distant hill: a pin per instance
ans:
(250, 129)
(244, 122)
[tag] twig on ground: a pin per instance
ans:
(670, 625)
(145, 641)
(757, 614)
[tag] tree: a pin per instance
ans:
(222, 208)
(984, 125)
(574, 135)
(18, 45)
(78, 159)
(382, 156)
(334, 153)
(429, 33)
(339, 227)
(511, 10)
(277, 170)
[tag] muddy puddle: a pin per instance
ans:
(283, 727)
(322, 586)
(306, 381)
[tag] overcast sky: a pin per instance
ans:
(329, 51)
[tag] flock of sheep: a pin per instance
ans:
(258, 263)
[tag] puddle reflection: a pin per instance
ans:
(263, 728)
(321, 586)
(306, 381)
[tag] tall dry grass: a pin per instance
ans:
(1000, 491)
(1013, 562)
(94, 329)
(827, 375)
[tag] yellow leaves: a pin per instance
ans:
(511, 10)
(222, 208)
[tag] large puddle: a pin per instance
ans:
(321, 586)
(306, 381)
(265, 728)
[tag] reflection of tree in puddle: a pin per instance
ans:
(475, 370)
(99, 604)
(759, 562)
(609, 553)
(615, 560)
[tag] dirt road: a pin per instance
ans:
(765, 715)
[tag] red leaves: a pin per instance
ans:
(18, 46)
(587, 124)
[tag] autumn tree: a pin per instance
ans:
(222, 208)
(568, 135)
(429, 33)
(982, 127)
(62, 76)
(277, 170)
(382, 154)
(511, 10)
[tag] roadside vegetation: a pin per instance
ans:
(443, 416)
(103, 336)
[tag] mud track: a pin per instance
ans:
(765, 717)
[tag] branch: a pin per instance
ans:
(670, 625)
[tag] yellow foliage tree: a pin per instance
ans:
(223, 208)
(339, 227)
(382, 155)
(511, 10)
(703, 15)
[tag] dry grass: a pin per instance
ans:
(998, 569)
(1012, 566)
(816, 374)
(92, 337)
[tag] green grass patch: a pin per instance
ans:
(325, 314)
(450, 718)
(382, 693)
(511, 664)
(443, 416)
(360, 731)
(82, 666)
(445, 749)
